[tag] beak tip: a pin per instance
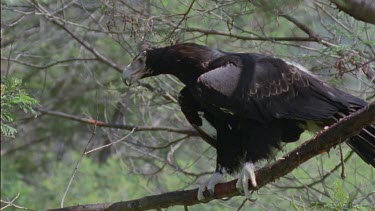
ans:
(130, 76)
(126, 77)
(127, 81)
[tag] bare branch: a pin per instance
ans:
(88, 46)
(110, 144)
(48, 65)
(302, 26)
(308, 31)
(11, 204)
(183, 18)
(324, 177)
(98, 123)
(76, 168)
(241, 37)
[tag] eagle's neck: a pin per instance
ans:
(186, 61)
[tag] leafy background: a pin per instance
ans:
(43, 66)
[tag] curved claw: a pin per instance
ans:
(216, 178)
(242, 184)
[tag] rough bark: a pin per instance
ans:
(323, 142)
(363, 10)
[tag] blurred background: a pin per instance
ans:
(61, 64)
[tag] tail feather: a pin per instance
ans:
(368, 133)
(364, 144)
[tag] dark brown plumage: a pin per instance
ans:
(254, 102)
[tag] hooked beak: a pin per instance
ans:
(130, 76)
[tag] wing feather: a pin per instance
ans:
(269, 88)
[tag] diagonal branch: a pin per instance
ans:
(183, 18)
(307, 30)
(302, 26)
(324, 141)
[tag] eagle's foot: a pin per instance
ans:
(216, 178)
(242, 184)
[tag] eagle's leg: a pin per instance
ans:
(217, 177)
(248, 172)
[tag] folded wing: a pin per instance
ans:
(268, 88)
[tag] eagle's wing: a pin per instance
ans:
(191, 108)
(269, 88)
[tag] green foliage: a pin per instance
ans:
(50, 186)
(340, 199)
(13, 98)
(93, 183)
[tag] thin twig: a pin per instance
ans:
(183, 18)
(47, 65)
(76, 168)
(242, 204)
(322, 177)
(342, 162)
(11, 204)
(88, 46)
(98, 123)
(110, 144)
(241, 37)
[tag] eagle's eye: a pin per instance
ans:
(141, 58)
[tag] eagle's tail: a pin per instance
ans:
(364, 144)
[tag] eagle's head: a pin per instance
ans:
(136, 70)
(186, 61)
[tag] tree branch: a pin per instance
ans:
(118, 126)
(47, 65)
(363, 10)
(183, 18)
(323, 142)
(307, 30)
(241, 37)
(60, 23)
